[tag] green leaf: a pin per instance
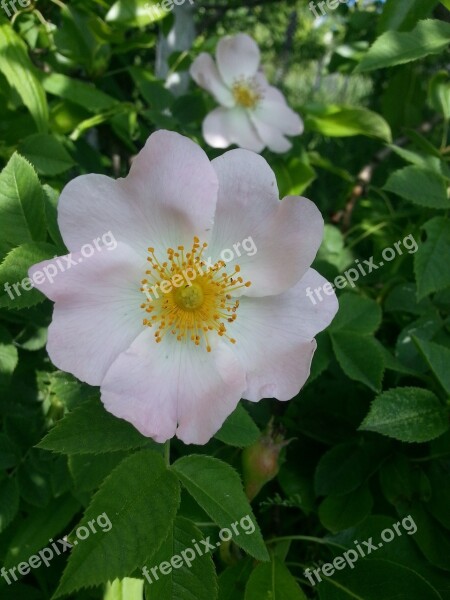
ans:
(192, 578)
(440, 496)
(232, 580)
(32, 338)
(273, 581)
(293, 175)
(365, 580)
(16, 288)
(22, 210)
(239, 429)
(82, 37)
(432, 539)
(403, 16)
(360, 357)
(152, 90)
(431, 259)
(439, 93)
(189, 108)
(338, 121)
(401, 481)
(8, 453)
(46, 153)
(346, 467)
(340, 512)
(124, 589)
(90, 470)
(42, 524)
(91, 429)
(8, 354)
(78, 92)
(420, 186)
(9, 501)
(427, 162)
(18, 69)
(397, 48)
(333, 250)
(407, 414)
(218, 490)
(136, 14)
(425, 327)
(357, 314)
(51, 213)
(400, 552)
(140, 500)
(66, 391)
(438, 357)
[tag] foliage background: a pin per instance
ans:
(81, 88)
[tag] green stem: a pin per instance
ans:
(167, 453)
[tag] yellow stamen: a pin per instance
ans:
(188, 300)
(247, 93)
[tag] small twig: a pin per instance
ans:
(364, 177)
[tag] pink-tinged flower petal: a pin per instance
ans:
(237, 57)
(205, 73)
(274, 119)
(274, 338)
(159, 387)
(226, 126)
(278, 115)
(97, 312)
(91, 205)
(271, 136)
(168, 197)
(286, 234)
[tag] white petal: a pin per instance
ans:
(286, 234)
(237, 57)
(226, 126)
(274, 338)
(92, 205)
(205, 73)
(175, 187)
(278, 115)
(173, 387)
(272, 136)
(97, 312)
(168, 197)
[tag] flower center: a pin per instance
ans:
(188, 297)
(247, 93)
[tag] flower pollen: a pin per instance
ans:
(247, 92)
(198, 302)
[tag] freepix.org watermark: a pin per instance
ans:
(351, 276)
(63, 263)
(188, 275)
(324, 6)
(187, 556)
(46, 555)
(10, 8)
(159, 10)
(350, 557)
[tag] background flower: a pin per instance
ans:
(253, 114)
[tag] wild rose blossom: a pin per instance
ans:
(179, 364)
(253, 114)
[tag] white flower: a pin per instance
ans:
(252, 114)
(180, 363)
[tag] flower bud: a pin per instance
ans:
(260, 461)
